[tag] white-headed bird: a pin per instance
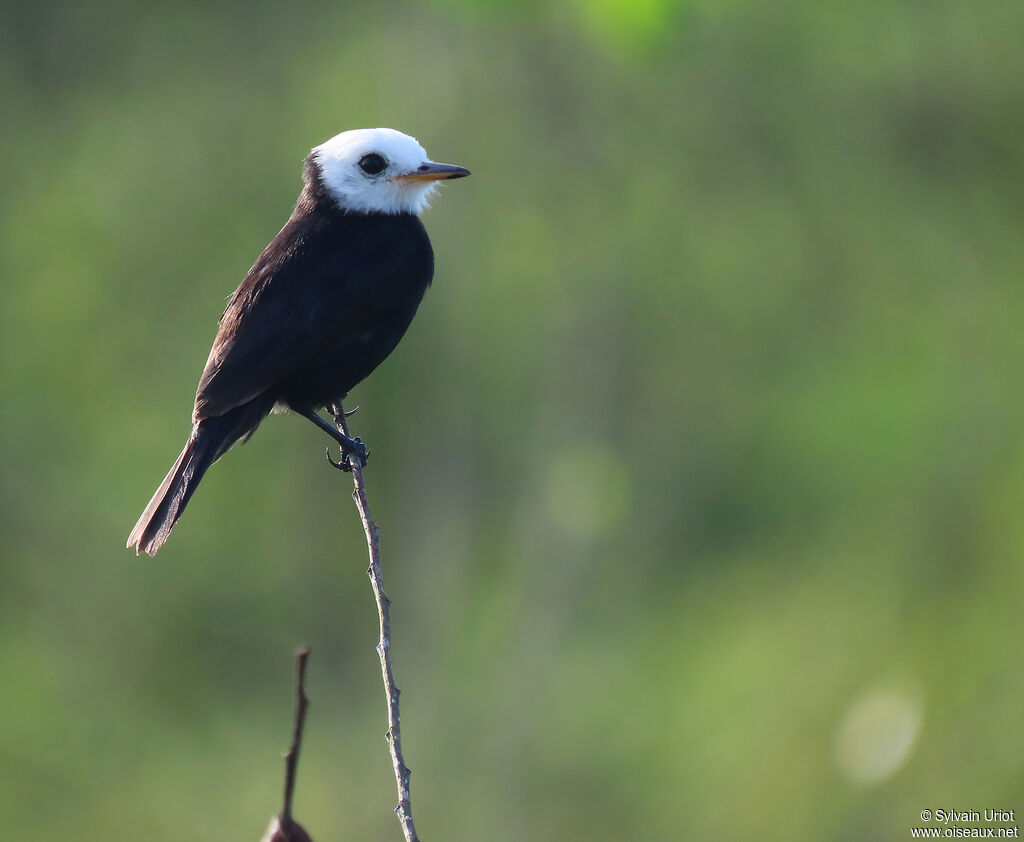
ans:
(325, 303)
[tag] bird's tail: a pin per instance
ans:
(170, 499)
(211, 438)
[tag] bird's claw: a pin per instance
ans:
(339, 413)
(356, 450)
(342, 465)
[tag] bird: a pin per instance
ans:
(325, 303)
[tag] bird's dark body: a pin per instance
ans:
(326, 302)
(323, 306)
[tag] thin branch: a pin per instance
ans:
(394, 734)
(283, 828)
(291, 759)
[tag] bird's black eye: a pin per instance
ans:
(372, 163)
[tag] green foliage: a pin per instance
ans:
(702, 462)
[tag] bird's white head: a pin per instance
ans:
(380, 171)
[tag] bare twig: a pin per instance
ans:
(283, 828)
(291, 759)
(394, 734)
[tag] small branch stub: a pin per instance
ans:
(276, 833)
(394, 733)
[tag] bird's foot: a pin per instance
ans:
(350, 449)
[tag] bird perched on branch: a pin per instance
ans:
(325, 303)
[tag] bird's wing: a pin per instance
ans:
(277, 319)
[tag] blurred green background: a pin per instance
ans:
(700, 473)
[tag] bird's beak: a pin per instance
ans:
(434, 172)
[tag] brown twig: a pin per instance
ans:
(394, 734)
(291, 759)
(283, 828)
